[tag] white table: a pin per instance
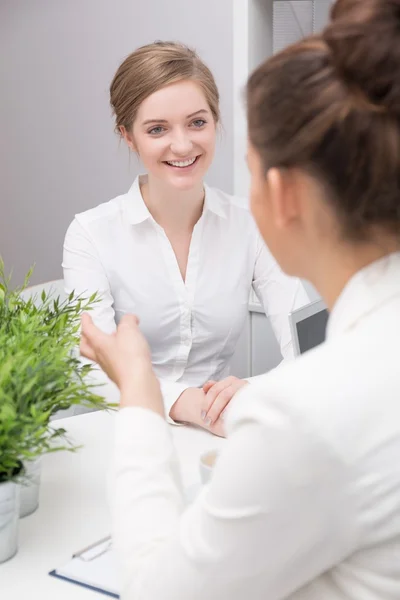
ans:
(73, 510)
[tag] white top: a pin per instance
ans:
(305, 499)
(192, 327)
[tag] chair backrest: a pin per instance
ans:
(54, 288)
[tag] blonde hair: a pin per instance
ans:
(152, 67)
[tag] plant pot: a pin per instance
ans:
(9, 518)
(30, 488)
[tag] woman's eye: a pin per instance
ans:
(199, 122)
(156, 130)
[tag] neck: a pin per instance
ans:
(172, 209)
(337, 265)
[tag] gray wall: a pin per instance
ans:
(58, 152)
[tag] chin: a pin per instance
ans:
(185, 182)
(186, 185)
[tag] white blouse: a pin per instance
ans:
(304, 503)
(192, 327)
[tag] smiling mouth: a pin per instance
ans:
(182, 164)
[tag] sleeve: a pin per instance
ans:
(279, 295)
(171, 390)
(259, 530)
(84, 274)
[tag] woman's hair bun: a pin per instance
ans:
(364, 39)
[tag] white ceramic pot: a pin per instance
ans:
(30, 488)
(9, 518)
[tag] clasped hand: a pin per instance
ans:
(126, 358)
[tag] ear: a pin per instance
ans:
(128, 137)
(283, 197)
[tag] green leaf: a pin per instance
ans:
(40, 372)
(28, 386)
(7, 412)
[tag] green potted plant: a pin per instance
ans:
(24, 436)
(40, 374)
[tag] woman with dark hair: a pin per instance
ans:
(305, 498)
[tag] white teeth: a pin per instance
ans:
(181, 163)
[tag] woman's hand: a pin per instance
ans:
(125, 357)
(189, 408)
(218, 396)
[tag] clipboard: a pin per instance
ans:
(94, 568)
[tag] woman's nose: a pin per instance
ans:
(181, 144)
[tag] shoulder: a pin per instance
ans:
(240, 203)
(235, 208)
(98, 220)
(290, 389)
(102, 212)
(333, 391)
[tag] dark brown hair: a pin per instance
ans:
(331, 105)
(151, 68)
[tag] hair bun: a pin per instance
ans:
(364, 39)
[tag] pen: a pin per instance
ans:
(102, 541)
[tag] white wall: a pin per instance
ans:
(58, 152)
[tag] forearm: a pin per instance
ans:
(188, 407)
(142, 390)
(147, 496)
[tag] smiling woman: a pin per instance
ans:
(177, 253)
(178, 147)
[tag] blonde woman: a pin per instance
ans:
(181, 255)
(304, 503)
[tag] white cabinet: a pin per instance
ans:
(257, 350)
(265, 353)
(262, 27)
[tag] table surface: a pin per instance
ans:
(74, 506)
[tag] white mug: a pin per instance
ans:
(207, 462)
